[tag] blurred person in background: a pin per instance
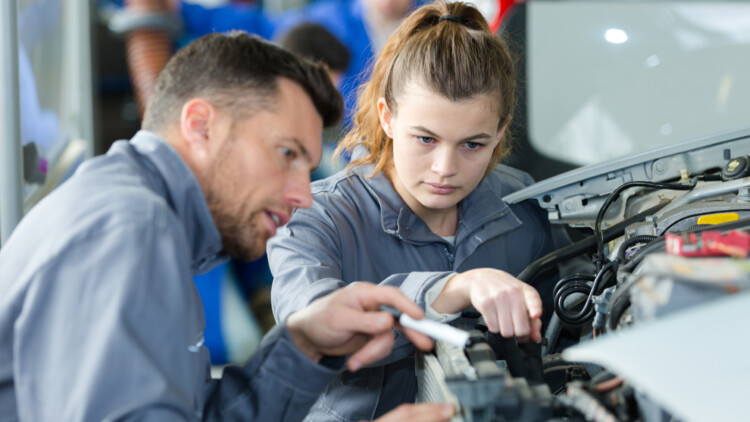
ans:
(362, 26)
(314, 42)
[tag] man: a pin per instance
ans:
(315, 43)
(99, 319)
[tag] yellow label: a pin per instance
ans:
(733, 165)
(718, 218)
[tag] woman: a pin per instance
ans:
(420, 204)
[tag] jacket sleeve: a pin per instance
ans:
(279, 383)
(118, 336)
(305, 260)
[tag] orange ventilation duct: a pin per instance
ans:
(149, 28)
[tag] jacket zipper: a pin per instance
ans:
(450, 255)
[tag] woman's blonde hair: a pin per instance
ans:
(457, 57)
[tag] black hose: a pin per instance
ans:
(559, 304)
(548, 261)
(630, 242)
(618, 307)
(570, 278)
(616, 194)
(575, 286)
(653, 246)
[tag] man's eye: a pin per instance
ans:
(425, 139)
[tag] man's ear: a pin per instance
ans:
(197, 125)
(386, 117)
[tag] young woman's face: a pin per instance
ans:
(441, 148)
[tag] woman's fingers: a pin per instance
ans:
(536, 330)
(533, 301)
(509, 306)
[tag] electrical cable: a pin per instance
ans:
(580, 247)
(614, 196)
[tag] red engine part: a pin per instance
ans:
(734, 243)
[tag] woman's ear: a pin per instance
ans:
(384, 113)
(501, 133)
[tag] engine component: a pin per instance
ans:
(736, 168)
(709, 243)
(628, 285)
(656, 359)
(480, 386)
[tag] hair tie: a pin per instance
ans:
(453, 18)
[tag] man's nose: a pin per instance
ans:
(445, 162)
(297, 192)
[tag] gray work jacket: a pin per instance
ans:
(100, 320)
(359, 229)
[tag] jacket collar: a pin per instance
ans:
(483, 205)
(171, 178)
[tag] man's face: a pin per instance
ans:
(260, 171)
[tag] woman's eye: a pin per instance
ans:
(288, 153)
(425, 139)
(473, 145)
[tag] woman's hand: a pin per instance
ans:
(509, 306)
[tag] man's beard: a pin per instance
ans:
(241, 239)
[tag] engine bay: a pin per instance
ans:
(651, 277)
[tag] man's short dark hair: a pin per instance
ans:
(312, 41)
(238, 73)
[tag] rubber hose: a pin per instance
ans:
(630, 242)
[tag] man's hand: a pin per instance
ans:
(349, 320)
(423, 412)
(509, 306)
